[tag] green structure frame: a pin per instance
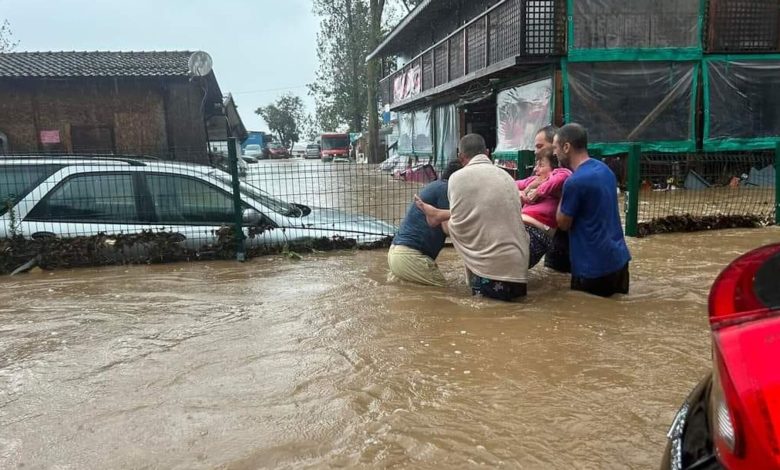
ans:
(729, 143)
(682, 54)
(616, 148)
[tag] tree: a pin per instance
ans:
(346, 87)
(342, 46)
(376, 12)
(284, 118)
(7, 43)
(309, 128)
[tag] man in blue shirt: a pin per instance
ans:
(589, 212)
(416, 245)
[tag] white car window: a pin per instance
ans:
(104, 197)
(183, 200)
(18, 180)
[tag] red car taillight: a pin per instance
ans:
(744, 314)
(725, 421)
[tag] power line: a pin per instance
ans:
(269, 90)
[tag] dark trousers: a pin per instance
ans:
(499, 290)
(557, 257)
(605, 286)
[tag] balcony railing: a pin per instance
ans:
(512, 28)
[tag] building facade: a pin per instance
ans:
(136, 103)
(669, 75)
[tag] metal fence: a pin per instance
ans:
(689, 192)
(61, 210)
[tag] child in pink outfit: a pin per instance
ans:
(540, 195)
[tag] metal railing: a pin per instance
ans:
(511, 28)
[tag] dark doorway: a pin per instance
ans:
(481, 119)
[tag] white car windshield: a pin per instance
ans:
(253, 147)
(253, 192)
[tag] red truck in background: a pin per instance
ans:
(334, 147)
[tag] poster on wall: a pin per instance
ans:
(521, 112)
(50, 137)
(407, 84)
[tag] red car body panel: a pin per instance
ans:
(746, 340)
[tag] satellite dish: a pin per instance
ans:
(200, 64)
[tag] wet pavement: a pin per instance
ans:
(321, 363)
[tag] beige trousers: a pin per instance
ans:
(413, 266)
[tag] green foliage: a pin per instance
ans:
(343, 87)
(342, 46)
(285, 118)
(14, 225)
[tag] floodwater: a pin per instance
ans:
(323, 363)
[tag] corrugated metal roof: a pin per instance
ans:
(94, 64)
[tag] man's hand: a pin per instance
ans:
(433, 216)
(564, 221)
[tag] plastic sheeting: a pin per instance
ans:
(405, 133)
(631, 24)
(521, 112)
(622, 102)
(423, 132)
(742, 102)
(447, 130)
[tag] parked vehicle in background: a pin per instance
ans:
(260, 140)
(277, 150)
(731, 419)
(334, 146)
(313, 150)
(81, 196)
(253, 152)
(298, 150)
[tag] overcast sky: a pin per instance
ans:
(261, 48)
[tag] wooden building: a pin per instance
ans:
(135, 103)
(661, 73)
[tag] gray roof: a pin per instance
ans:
(94, 64)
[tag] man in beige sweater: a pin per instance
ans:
(485, 224)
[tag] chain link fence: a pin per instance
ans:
(700, 191)
(77, 210)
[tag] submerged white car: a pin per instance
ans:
(77, 196)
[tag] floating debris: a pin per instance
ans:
(691, 223)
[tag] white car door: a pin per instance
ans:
(198, 208)
(83, 205)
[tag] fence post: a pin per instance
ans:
(239, 216)
(632, 195)
(777, 184)
(524, 159)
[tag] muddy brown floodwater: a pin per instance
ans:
(322, 363)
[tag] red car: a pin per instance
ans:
(277, 150)
(731, 419)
